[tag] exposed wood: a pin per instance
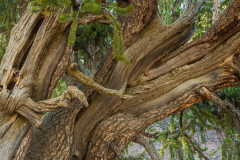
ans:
(13, 138)
(161, 84)
(149, 146)
(68, 96)
(87, 80)
(140, 117)
(22, 149)
(117, 151)
(204, 45)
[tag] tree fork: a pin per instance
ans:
(109, 119)
(28, 73)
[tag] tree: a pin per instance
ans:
(156, 85)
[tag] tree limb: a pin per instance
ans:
(55, 104)
(95, 63)
(74, 72)
(149, 146)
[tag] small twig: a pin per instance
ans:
(195, 148)
(180, 121)
(6, 13)
(207, 7)
(151, 135)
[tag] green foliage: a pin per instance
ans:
(48, 6)
(72, 33)
(65, 17)
(9, 14)
(60, 88)
(93, 7)
(122, 11)
(118, 45)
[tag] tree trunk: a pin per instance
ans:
(161, 84)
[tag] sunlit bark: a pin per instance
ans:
(157, 84)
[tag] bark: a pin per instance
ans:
(160, 84)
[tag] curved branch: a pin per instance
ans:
(163, 40)
(87, 80)
(68, 96)
(227, 26)
(148, 145)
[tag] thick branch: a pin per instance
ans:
(55, 104)
(226, 27)
(149, 146)
(74, 72)
(169, 39)
(95, 63)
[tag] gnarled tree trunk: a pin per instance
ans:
(160, 84)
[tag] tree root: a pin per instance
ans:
(88, 81)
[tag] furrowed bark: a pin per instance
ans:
(152, 100)
(100, 107)
(131, 124)
(88, 133)
(37, 47)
